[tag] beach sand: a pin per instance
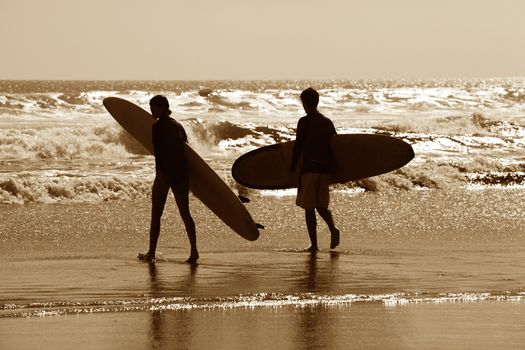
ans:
(415, 270)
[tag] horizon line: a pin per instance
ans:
(277, 79)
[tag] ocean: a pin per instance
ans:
(432, 255)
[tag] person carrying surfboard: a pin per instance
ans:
(171, 168)
(313, 142)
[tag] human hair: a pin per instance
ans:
(310, 98)
(160, 101)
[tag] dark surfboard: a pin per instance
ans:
(357, 156)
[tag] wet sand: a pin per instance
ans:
(476, 325)
(415, 270)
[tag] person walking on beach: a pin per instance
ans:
(171, 168)
(313, 142)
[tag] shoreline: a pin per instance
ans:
(415, 270)
(485, 325)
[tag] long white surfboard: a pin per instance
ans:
(205, 184)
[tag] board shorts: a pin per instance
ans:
(313, 191)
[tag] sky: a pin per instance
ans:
(261, 39)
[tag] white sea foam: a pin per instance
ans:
(464, 132)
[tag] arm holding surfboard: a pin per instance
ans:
(171, 167)
(204, 182)
(313, 141)
(353, 156)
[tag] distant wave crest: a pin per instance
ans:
(275, 99)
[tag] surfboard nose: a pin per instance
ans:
(410, 152)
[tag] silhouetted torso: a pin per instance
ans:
(168, 143)
(313, 140)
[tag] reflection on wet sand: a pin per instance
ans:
(162, 332)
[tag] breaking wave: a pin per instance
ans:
(58, 143)
(134, 182)
(21, 190)
(67, 143)
(110, 140)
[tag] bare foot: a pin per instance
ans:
(193, 258)
(312, 250)
(146, 257)
(334, 241)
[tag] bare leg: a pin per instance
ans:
(181, 191)
(311, 224)
(334, 232)
(159, 193)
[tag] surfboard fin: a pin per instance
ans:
(244, 199)
(259, 226)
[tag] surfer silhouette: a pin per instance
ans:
(313, 142)
(171, 168)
